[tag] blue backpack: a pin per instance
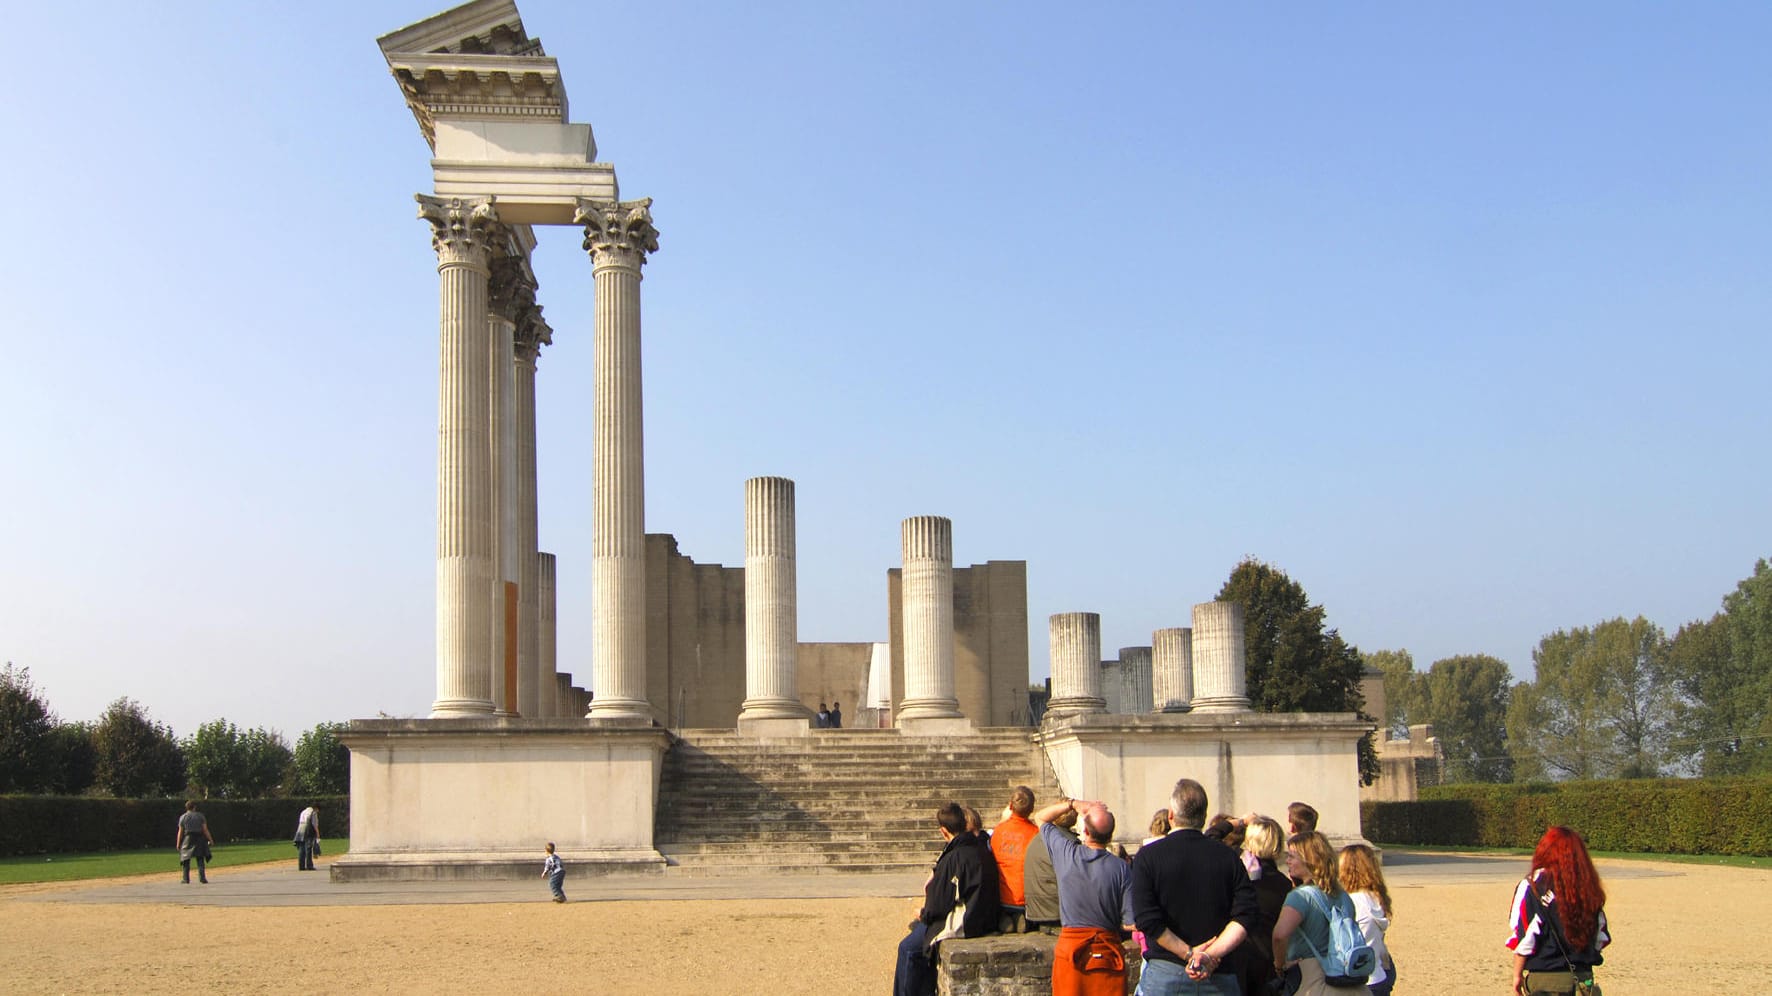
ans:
(1350, 961)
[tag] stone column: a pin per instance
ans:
(1112, 688)
(928, 597)
(563, 695)
(509, 287)
(1172, 669)
(536, 694)
(1135, 680)
(1076, 665)
(1219, 664)
(618, 235)
(547, 663)
(464, 231)
(770, 605)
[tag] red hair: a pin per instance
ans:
(1562, 855)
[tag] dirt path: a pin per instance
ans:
(1446, 937)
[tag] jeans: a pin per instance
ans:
(557, 883)
(915, 974)
(1166, 978)
(304, 854)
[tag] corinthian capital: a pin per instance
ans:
(463, 229)
(533, 332)
(512, 289)
(620, 232)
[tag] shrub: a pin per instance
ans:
(45, 824)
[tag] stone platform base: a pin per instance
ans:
(466, 799)
(1008, 965)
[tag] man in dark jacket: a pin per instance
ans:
(965, 874)
(1193, 899)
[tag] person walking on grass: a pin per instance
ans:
(192, 846)
(555, 873)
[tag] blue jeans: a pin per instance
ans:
(1166, 978)
(915, 974)
(557, 882)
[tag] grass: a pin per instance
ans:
(1720, 860)
(154, 861)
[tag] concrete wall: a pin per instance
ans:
(1246, 761)
(990, 640)
(694, 638)
(834, 672)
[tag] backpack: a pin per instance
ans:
(1349, 960)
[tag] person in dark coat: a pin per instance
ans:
(964, 875)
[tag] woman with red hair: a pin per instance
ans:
(1558, 919)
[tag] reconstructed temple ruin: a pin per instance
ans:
(513, 747)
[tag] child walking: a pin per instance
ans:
(555, 873)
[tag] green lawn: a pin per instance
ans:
(157, 861)
(1724, 860)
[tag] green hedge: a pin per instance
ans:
(47, 824)
(1668, 816)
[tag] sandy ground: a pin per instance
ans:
(1446, 937)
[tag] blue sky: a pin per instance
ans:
(1459, 316)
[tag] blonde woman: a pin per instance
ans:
(1304, 919)
(1364, 881)
(1263, 844)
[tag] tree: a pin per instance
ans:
(1466, 700)
(1599, 705)
(135, 756)
(1294, 663)
(25, 726)
(264, 763)
(322, 762)
(1398, 667)
(74, 761)
(212, 758)
(1721, 672)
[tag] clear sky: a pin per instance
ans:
(1458, 314)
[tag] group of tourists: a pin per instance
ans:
(194, 841)
(828, 719)
(1227, 906)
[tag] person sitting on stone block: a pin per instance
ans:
(959, 901)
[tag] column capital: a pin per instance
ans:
(533, 332)
(617, 233)
(512, 289)
(464, 230)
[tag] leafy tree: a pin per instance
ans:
(1398, 667)
(74, 761)
(135, 756)
(1466, 699)
(212, 758)
(1721, 671)
(25, 725)
(1599, 706)
(1294, 663)
(322, 762)
(264, 764)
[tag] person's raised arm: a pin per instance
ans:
(1053, 811)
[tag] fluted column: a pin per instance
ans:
(1135, 680)
(547, 661)
(1172, 669)
(618, 235)
(563, 695)
(1112, 688)
(464, 232)
(511, 285)
(536, 694)
(1220, 673)
(1076, 665)
(770, 602)
(928, 599)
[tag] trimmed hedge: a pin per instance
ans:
(48, 824)
(1667, 816)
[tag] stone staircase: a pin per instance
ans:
(836, 801)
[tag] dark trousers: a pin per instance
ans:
(915, 975)
(304, 854)
(202, 876)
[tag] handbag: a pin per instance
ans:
(1577, 984)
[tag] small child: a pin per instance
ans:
(555, 873)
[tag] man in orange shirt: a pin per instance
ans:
(1009, 842)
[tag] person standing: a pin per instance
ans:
(555, 873)
(193, 841)
(1301, 934)
(1364, 881)
(1094, 902)
(1558, 918)
(965, 876)
(823, 719)
(1009, 844)
(1194, 902)
(307, 838)
(836, 716)
(1039, 883)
